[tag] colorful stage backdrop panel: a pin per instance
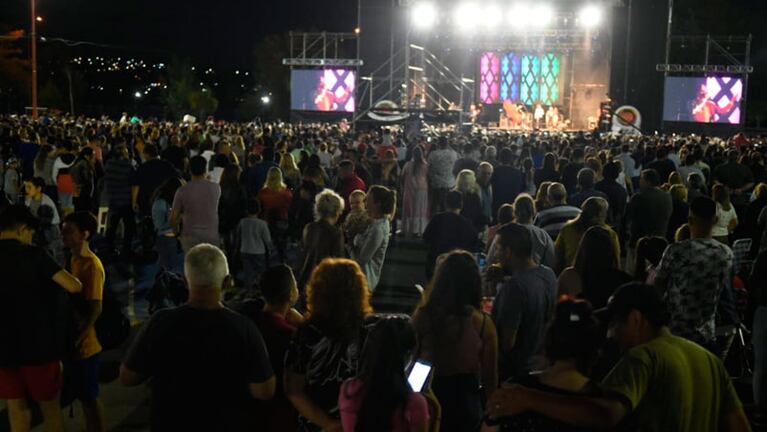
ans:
(519, 77)
(327, 90)
(703, 99)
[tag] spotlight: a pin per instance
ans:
(541, 16)
(467, 16)
(424, 15)
(519, 16)
(493, 17)
(590, 16)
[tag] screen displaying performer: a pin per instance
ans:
(328, 90)
(710, 99)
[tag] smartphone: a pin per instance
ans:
(419, 375)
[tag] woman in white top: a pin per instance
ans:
(727, 219)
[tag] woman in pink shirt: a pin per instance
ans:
(380, 398)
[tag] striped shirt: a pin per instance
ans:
(553, 219)
(119, 179)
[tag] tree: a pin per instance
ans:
(184, 95)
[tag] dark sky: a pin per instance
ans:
(215, 32)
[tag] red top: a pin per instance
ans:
(275, 204)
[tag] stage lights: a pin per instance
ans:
(473, 16)
(424, 15)
(590, 16)
(467, 16)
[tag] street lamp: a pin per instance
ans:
(266, 99)
(137, 95)
(33, 55)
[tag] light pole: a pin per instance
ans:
(33, 51)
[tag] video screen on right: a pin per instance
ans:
(708, 99)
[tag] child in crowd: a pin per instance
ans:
(357, 221)
(77, 231)
(255, 244)
(12, 180)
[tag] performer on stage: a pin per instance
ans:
(707, 111)
(538, 115)
(552, 118)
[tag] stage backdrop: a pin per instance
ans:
(520, 77)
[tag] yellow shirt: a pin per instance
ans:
(89, 270)
(569, 240)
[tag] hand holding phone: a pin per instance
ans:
(419, 375)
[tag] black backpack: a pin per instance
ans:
(169, 290)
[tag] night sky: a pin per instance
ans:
(217, 33)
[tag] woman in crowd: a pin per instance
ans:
(325, 351)
(459, 340)
(415, 204)
(275, 198)
(595, 273)
(166, 244)
(547, 173)
(290, 172)
(466, 184)
(505, 215)
(594, 213)
(726, 218)
(528, 175)
(322, 238)
(390, 170)
(369, 248)
(649, 252)
(572, 345)
(43, 168)
(542, 198)
(380, 398)
(680, 210)
(697, 187)
(232, 206)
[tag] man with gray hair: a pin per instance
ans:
(555, 217)
(543, 246)
(205, 361)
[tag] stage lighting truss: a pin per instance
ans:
(522, 16)
(698, 68)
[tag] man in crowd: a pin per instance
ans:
(467, 161)
(543, 246)
(737, 177)
(31, 347)
(524, 303)
(629, 164)
(695, 274)
(205, 362)
(119, 178)
(449, 230)
(77, 231)
(663, 382)
(662, 164)
(586, 179)
(484, 176)
(507, 180)
(648, 211)
(150, 175)
(571, 170)
(36, 198)
(84, 177)
(441, 178)
(616, 195)
(195, 208)
(348, 181)
(555, 217)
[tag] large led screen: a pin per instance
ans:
(327, 90)
(709, 99)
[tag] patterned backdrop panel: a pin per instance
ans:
(489, 70)
(510, 77)
(722, 90)
(520, 77)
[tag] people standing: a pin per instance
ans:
(648, 212)
(119, 178)
(507, 180)
(441, 179)
(415, 199)
(370, 247)
(194, 215)
(322, 238)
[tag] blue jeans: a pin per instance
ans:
(169, 254)
(252, 267)
(759, 338)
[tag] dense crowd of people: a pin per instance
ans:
(539, 247)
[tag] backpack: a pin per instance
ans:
(169, 290)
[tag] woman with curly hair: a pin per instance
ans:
(459, 340)
(325, 351)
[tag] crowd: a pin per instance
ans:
(575, 281)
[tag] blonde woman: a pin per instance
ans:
(275, 198)
(466, 184)
(290, 170)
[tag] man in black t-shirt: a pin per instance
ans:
(31, 317)
(206, 362)
(150, 176)
(449, 230)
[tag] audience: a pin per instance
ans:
(558, 213)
